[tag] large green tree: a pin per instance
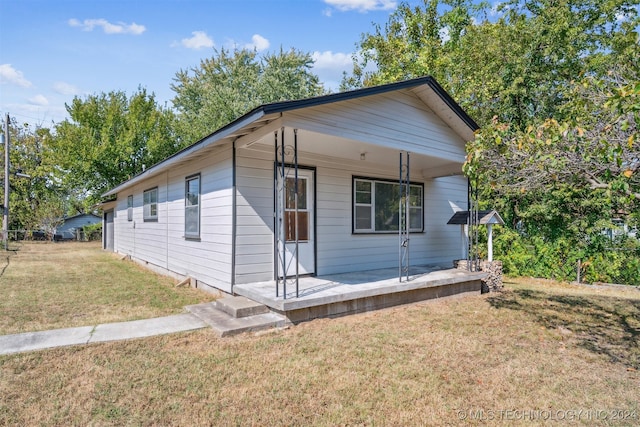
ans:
(35, 195)
(554, 86)
(109, 138)
(231, 83)
(513, 61)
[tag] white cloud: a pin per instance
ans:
(498, 9)
(65, 88)
(621, 17)
(258, 43)
(39, 100)
(328, 60)
(199, 40)
(10, 75)
(108, 27)
(330, 66)
(361, 6)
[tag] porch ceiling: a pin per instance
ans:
(382, 158)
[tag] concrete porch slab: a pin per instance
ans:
(346, 293)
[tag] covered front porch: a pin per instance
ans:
(341, 294)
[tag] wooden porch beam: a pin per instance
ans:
(253, 137)
(449, 169)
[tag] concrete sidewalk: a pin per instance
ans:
(29, 341)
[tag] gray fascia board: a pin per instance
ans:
(451, 103)
(280, 107)
(186, 152)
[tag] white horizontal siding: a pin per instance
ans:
(399, 120)
(254, 238)
(338, 249)
(162, 243)
(123, 237)
(145, 241)
(209, 259)
(445, 239)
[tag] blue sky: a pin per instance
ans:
(53, 50)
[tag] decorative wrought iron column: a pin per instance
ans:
(286, 165)
(473, 220)
(404, 193)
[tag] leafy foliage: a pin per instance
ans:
(34, 201)
(512, 62)
(230, 84)
(555, 85)
(597, 149)
(537, 257)
(109, 139)
(92, 232)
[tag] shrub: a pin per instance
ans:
(92, 232)
(602, 259)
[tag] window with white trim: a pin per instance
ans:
(150, 204)
(376, 204)
(130, 208)
(192, 207)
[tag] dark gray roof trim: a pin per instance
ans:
(280, 107)
(283, 106)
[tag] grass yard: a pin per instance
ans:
(541, 350)
(56, 285)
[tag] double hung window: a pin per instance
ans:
(150, 204)
(130, 208)
(192, 207)
(376, 206)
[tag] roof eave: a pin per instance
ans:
(207, 141)
(283, 106)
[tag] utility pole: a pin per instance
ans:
(5, 210)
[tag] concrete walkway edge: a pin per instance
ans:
(29, 341)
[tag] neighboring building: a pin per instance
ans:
(620, 228)
(69, 228)
(210, 211)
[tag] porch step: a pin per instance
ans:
(240, 306)
(227, 325)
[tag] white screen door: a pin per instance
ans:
(303, 217)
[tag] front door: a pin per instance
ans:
(298, 224)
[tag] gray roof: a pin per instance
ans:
(485, 217)
(261, 115)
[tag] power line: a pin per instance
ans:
(40, 120)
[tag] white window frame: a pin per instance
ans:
(416, 210)
(188, 206)
(130, 207)
(150, 204)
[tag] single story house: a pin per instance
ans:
(225, 210)
(69, 228)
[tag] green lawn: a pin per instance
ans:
(58, 285)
